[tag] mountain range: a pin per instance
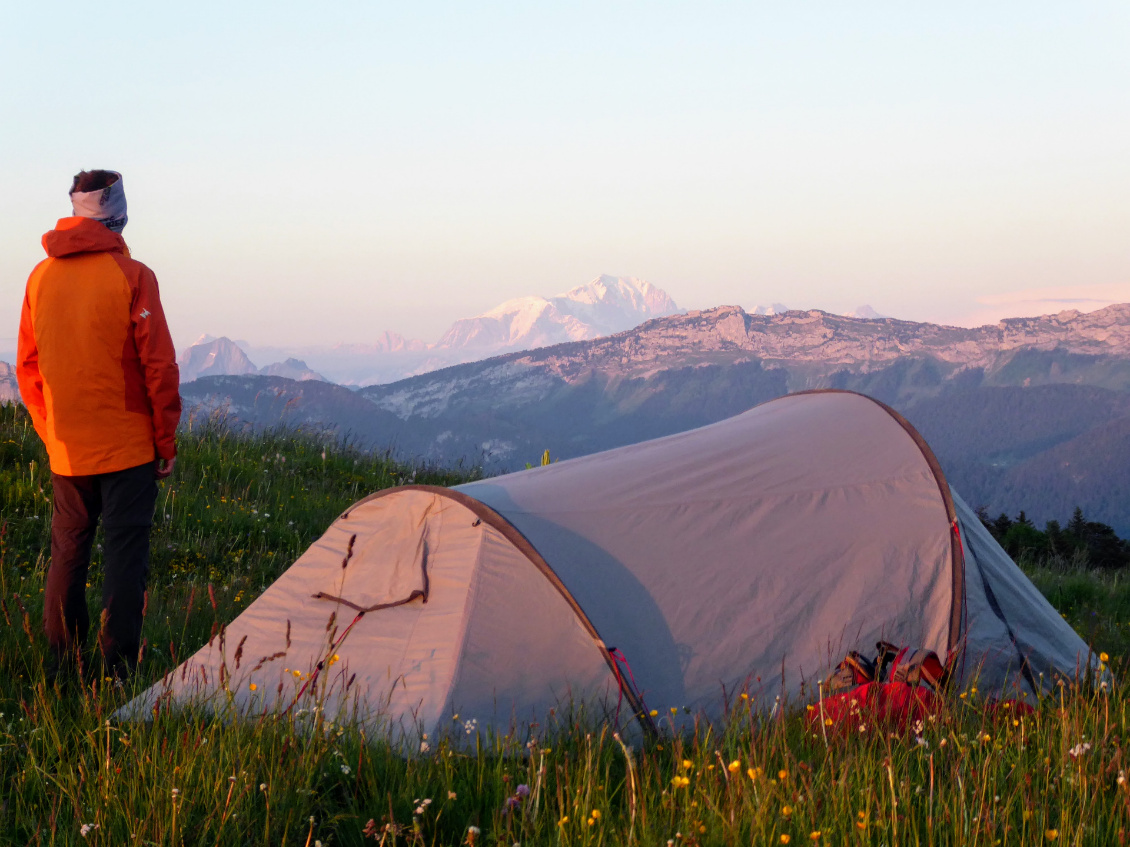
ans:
(1030, 413)
(603, 306)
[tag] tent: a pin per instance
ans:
(747, 555)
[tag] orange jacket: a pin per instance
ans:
(96, 365)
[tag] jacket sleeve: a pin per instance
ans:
(158, 362)
(27, 372)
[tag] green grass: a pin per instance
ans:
(240, 509)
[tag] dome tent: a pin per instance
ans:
(748, 554)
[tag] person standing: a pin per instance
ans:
(97, 371)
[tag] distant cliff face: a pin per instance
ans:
(834, 341)
(292, 369)
(9, 389)
(218, 357)
(810, 350)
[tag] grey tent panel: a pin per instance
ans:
(761, 546)
(1011, 624)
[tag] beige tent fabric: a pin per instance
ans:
(479, 647)
(750, 553)
(395, 664)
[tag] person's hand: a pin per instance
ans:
(163, 468)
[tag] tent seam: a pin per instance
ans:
(739, 499)
(527, 549)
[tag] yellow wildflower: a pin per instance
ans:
(687, 764)
(782, 775)
(1104, 658)
(786, 810)
(253, 686)
(734, 766)
(1051, 834)
(814, 835)
(785, 839)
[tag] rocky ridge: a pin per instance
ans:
(812, 349)
(835, 340)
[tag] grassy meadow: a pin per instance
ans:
(240, 508)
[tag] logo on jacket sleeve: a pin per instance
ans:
(144, 314)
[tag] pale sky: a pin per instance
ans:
(302, 173)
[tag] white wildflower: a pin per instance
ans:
(87, 828)
(921, 742)
(1079, 749)
(345, 769)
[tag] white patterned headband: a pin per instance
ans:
(107, 205)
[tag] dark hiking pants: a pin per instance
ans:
(124, 500)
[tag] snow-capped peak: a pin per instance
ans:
(604, 306)
(629, 293)
(864, 312)
(771, 309)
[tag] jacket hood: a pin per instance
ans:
(81, 235)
